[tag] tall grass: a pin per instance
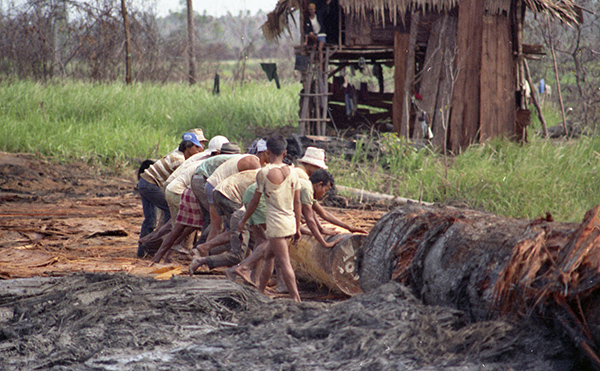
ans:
(502, 177)
(144, 120)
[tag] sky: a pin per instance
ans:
(217, 8)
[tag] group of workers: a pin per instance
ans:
(248, 207)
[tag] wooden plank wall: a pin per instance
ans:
(358, 29)
(464, 119)
(437, 78)
(498, 79)
(370, 30)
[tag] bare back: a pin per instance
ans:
(277, 184)
(278, 174)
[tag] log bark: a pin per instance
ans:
(491, 266)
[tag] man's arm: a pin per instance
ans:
(323, 230)
(333, 220)
(297, 214)
(312, 224)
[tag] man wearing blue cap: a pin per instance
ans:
(153, 179)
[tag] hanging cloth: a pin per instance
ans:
(271, 72)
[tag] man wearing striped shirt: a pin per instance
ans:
(152, 181)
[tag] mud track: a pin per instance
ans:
(74, 297)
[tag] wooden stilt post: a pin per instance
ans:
(400, 58)
(410, 73)
(304, 124)
(191, 53)
(560, 100)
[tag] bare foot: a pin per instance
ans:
(239, 271)
(230, 273)
(180, 249)
(196, 263)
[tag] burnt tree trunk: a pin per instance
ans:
(490, 266)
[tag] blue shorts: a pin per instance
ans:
(322, 38)
(209, 188)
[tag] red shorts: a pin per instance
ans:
(189, 210)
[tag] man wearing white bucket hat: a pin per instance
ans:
(313, 159)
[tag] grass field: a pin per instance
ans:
(114, 124)
(117, 121)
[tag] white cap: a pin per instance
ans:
(261, 146)
(215, 143)
(314, 156)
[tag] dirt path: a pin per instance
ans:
(58, 219)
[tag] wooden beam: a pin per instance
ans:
(438, 77)
(409, 80)
(464, 120)
(401, 41)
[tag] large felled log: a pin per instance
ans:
(334, 268)
(488, 266)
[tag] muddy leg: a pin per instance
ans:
(169, 241)
(280, 249)
(267, 270)
(216, 223)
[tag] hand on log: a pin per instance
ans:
(331, 245)
(358, 230)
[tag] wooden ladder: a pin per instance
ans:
(315, 92)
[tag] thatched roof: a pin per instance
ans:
(278, 19)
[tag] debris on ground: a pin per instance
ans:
(91, 321)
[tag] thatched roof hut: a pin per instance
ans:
(463, 59)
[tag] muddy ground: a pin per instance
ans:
(74, 297)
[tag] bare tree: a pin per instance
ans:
(577, 64)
